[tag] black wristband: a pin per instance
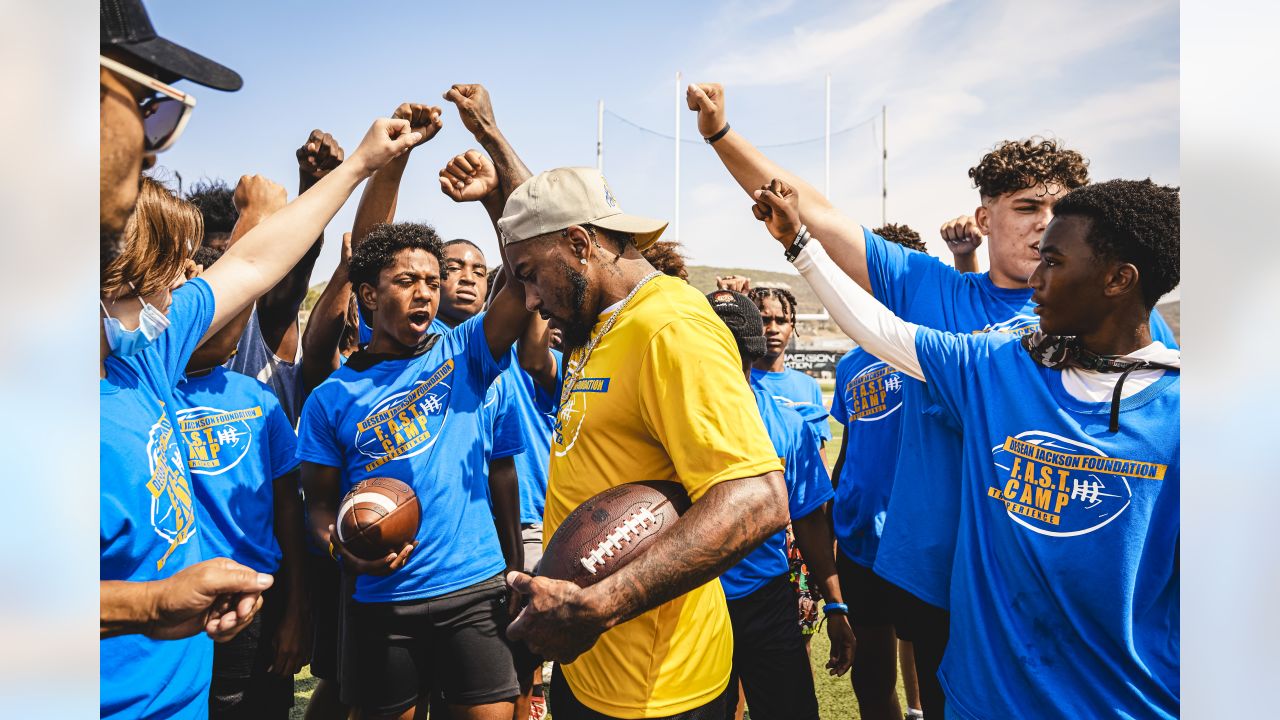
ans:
(802, 239)
(723, 131)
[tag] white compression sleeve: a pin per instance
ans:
(859, 315)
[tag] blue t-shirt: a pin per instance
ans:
(148, 525)
(239, 440)
(505, 435)
(535, 409)
(916, 553)
(1064, 596)
(808, 487)
(869, 403)
(418, 420)
(799, 392)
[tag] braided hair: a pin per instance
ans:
(782, 295)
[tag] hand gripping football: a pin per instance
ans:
(378, 516)
(611, 529)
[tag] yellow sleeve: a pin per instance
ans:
(696, 402)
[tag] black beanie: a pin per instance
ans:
(743, 318)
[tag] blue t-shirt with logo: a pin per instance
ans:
(1064, 596)
(149, 528)
(808, 487)
(869, 403)
(916, 552)
(799, 392)
(239, 440)
(419, 420)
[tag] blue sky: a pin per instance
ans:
(956, 77)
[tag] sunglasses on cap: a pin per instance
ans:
(164, 113)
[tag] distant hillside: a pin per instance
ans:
(703, 277)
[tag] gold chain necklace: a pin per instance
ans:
(575, 373)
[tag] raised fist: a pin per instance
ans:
(424, 119)
(469, 176)
(707, 100)
(257, 194)
(778, 207)
(319, 154)
(736, 283)
(474, 108)
(962, 235)
(387, 138)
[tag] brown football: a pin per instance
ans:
(611, 529)
(377, 517)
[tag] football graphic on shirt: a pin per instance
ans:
(378, 516)
(1061, 487)
(874, 393)
(217, 440)
(406, 423)
(611, 529)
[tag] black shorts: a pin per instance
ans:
(769, 656)
(565, 706)
(241, 686)
(914, 619)
(871, 598)
(454, 645)
(329, 595)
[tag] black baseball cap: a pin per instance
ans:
(743, 319)
(127, 27)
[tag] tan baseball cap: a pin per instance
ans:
(556, 199)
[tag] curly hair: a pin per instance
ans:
(782, 295)
(902, 235)
(1015, 165)
(205, 256)
(158, 238)
(379, 248)
(666, 257)
(214, 200)
(1132, 221)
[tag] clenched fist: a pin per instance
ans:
(469, 176)
(778, 207)
(962, 235)
(707, 100)
(319, 154)
(387, 138)
(474, 107)
(423, 119)
(257, 194)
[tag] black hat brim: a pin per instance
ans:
(182, 64)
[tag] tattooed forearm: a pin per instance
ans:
(722, 527)
(511, 170)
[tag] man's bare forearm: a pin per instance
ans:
(320, 341)
(512, 172)
(722, 527)
(840, 235)
(124, 607)
(378, 201)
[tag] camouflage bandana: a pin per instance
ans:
(1058, 352)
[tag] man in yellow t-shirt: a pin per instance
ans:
(652, 390)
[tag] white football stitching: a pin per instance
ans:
(613, 541)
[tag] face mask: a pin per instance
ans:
(127, 343)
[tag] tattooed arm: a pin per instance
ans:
(734, 517)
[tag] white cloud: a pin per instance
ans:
(808, 52)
